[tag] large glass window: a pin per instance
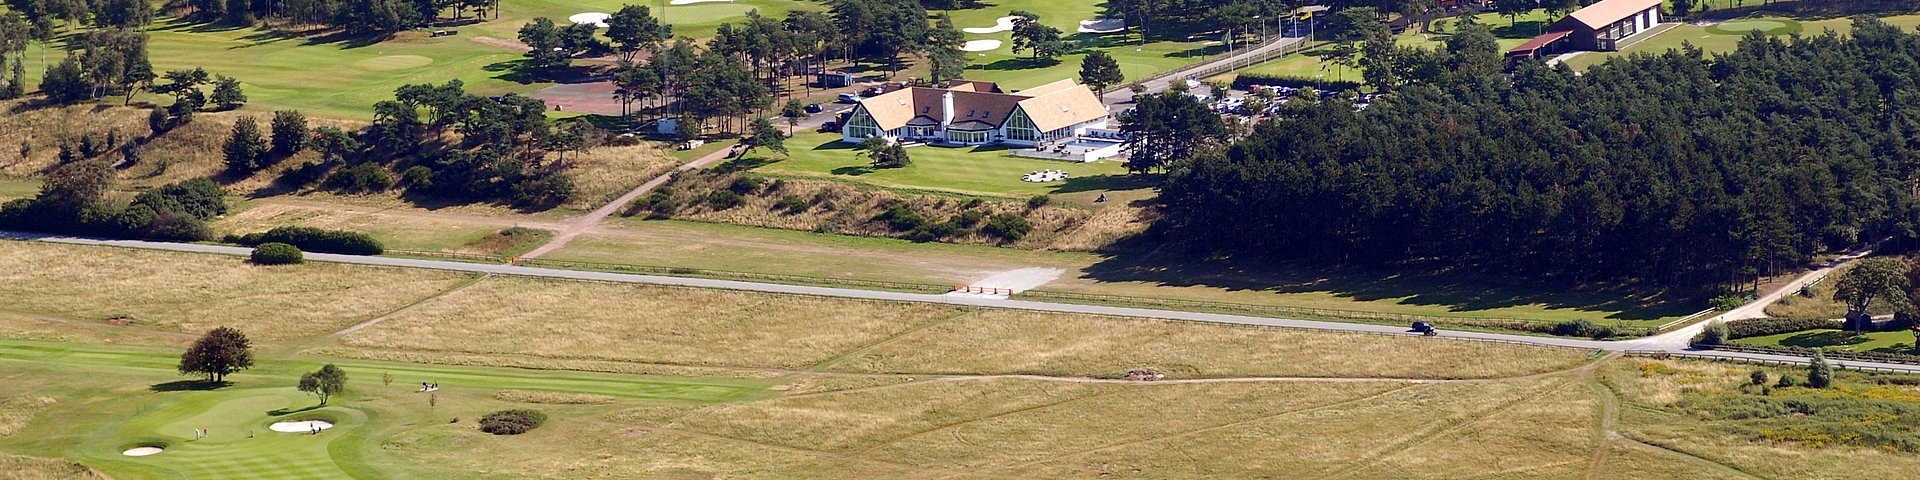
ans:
(862, 125)
(1020, 128)
(967, 137)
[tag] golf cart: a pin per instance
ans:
(1425, 328)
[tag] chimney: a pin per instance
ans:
(946, 109)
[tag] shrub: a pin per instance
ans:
(417, 176)
(1727, 301)
(303, 175)
(1716, 333)
(1582, 328)
(1038, 201)
(1008, 226)
(315, 240)
(1760, 327)
(902, 218)
(277, 254)
(724, 199)
(967, 219)
(744, 185)
(1819, 373)
(511, 422)
(1786, 381)
(363, 178)
(1758, 377)
(791, 204)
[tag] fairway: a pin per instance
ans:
(988, 171)
(1725, 37)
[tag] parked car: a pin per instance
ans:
(849, 98)
(814, 108)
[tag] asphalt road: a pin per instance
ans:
(1662, 343)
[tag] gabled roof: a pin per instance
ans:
(1537, 42)
(1606, 12)
(973, 86)
(1051, 107)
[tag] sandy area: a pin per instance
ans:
(302, 426)
(1004, 24)
(506, 44)
(596, 18)
(980, 45)
(141, 451)
(1103, 25)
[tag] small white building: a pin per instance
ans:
(976, 113)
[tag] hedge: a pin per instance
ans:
(1245, 80)
(277, 254)
(314, 240)
(1760, 327)
(511, 422)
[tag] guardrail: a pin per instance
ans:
(1232, 63)
(1808, 352)
(1268, 309)
(1683, 320)
(1664, 354)
(469, 257)
(730, 275)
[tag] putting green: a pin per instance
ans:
(393, 62)
(1768, 26)
(238, 443)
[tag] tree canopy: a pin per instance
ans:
(219, 353)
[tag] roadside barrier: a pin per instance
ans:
(983, 290)
(1663, 354)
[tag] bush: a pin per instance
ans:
(744, 185)
(902, 218)
(1038, 201)
(724, 199)
(315, 240)
(1819, 373)
(363, 178)
(277, 254)
(1786, 381)
(511, 422)
(967, 219)
(791, 205)
(1760, 327)
(1727, 301)
(1582, 328)
(1716, 333)
(1758, 377)
(417, 176)
(1245, 80)
(1008, 226)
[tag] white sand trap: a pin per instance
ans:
(1004, 24)
(1103, 25)
(142, 451)
(980, 45)
(684, 2)
(302, 426)
(596, 18)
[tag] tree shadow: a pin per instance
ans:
(289, 411)
(742, 164)
(1828, 338)
(854, 171)
(188, 386)
(1017, 64)
(1526, 29)
(1106, 183)
(515, 71)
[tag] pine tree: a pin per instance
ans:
(245, 147)
(1099, 71)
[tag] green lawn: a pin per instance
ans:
(10, 189)
(974, 171)
(1307, 64)
(1721, 40)
(1017, 71)
(1837, 340)
(120, 397)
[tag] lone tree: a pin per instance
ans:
(884, 154)
(1099, 70)
(217, 354)
(793, 112)
(765, 135)
(325, 382)
(1819, 374)
(1875, 278)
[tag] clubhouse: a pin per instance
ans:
(1608, 25)
(977, 113)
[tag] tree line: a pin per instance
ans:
(1674, 169)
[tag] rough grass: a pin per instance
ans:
(604, 173)
(1014, 341)
(192, 293)
(599, 321)
(17, 467)
(556, 398)
(16, 411)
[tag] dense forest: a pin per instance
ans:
(1673, 169)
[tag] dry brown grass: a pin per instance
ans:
(45, 128)
(17, 467)
(398, 228)
(836, 207)
(191, 293)
(604, 173)
(640, 323)
(1013, 341)
(16, 412)
(537, 363)
(554, 398)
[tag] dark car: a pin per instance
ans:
(1425, 328)
(814, 108)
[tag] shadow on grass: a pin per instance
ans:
(188, 386)
(1142, 260)
(1107, 183)
(1017, 64)
(1527, 29)
(289, 411)
(853, 170)
(1820, 339)
(1898, 348)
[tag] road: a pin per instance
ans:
(1206, 68)
(1680, 338)
(1663, 342)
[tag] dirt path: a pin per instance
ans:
(506, 44)
(577, 226)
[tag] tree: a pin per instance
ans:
(547, 43)
(289, 130)
(221, 352)
(884, 154)
(325, 382)
(1042, 40)
(1715, 333)
(1513, 9)
(1819, 373)
(688, 128)
(633, 27)
(1874, 278)
(124, 13)
(764, 135)
(245, 148)
(793, 111)
(1682, 7)
(226, 93)
(66, 83)
(1168, 128)
(943, 51)
(1099, 71)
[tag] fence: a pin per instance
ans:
(745, 276)
(1664, 354)
(464, 257)
(1206, 68)
(1204, 305)
(1808, 352)
(1683, 320)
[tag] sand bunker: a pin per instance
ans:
(596, 18)
(980, 45)
(1103, 25)
(1004, 24)
(302, 426)
(684, 2)
(142, 451)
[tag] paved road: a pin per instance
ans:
(1655, 343)
(1122, 96)
(1679, 339)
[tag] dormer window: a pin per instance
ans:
(970, 113)
(988, 114)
